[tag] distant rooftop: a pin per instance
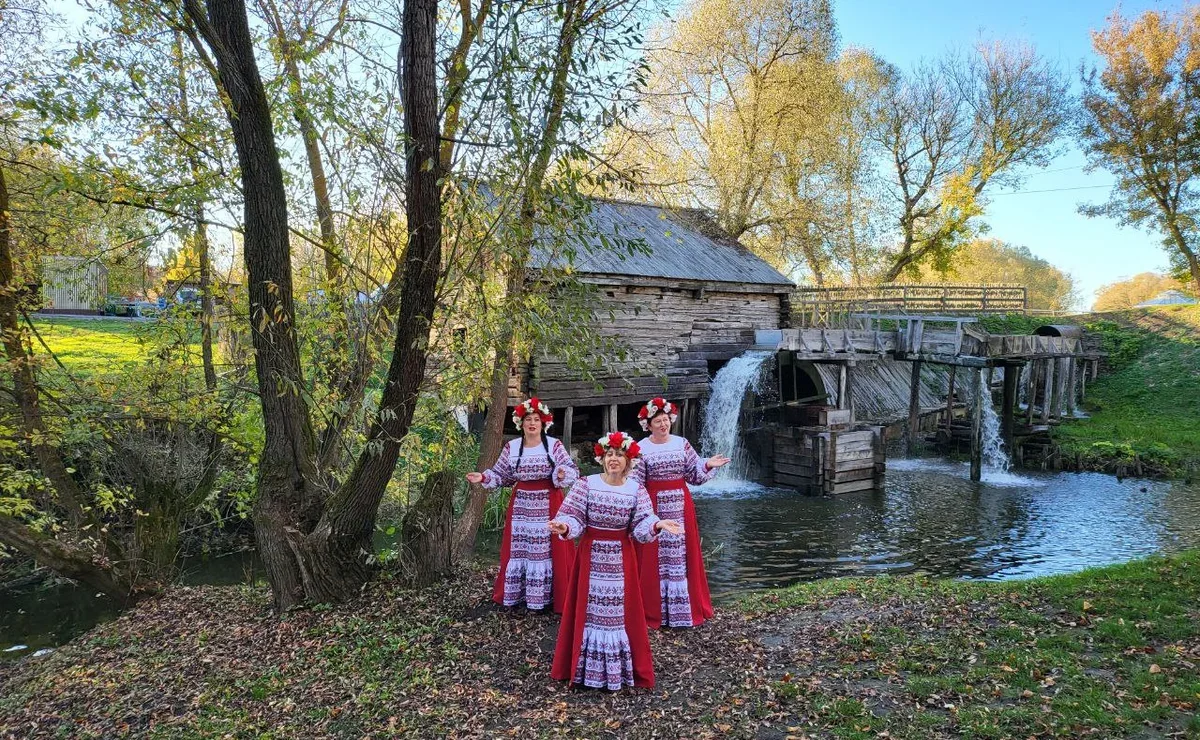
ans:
(684, 244)
(1168, 298)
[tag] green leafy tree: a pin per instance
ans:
(1138, 122)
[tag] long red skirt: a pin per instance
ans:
(651, 577)
(569, 648)
(562, 552)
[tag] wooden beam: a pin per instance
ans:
(1071, 384)
(842, 400)
(1060, 387)
(950, 398)
(977, 425)
(850, 390)
(914, 408)
(1047, 389)
(1031, 387)
(1008, 405)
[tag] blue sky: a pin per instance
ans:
(1094, 251)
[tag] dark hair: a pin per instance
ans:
(545, 446)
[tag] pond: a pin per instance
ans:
(931, 518)
(928, 518)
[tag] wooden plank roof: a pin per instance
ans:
(676, 244)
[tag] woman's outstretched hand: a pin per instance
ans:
(670, 526)
(475, 477)
(716, 461)
(558, 528)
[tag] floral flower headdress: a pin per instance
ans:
(652, 408)
(616, 441)
(533, 405)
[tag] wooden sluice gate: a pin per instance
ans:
(839, 454)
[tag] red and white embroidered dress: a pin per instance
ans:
(674, 584)
(602, 639)
(533, 566)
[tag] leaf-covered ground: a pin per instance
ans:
(1107, 653)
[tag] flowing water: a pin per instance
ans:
(722, 414)
(929, 517)
(995, 457)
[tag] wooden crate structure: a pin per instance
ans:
(823, 461)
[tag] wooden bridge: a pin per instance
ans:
(831, 307)
(1057, 360)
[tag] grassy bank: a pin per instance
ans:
(1105, 653)
(1144, 409)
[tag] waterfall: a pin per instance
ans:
(722, 413)
(995, 457)
(1023, 387)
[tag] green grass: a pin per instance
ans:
(91, 345)
(1109, 652)
(1148, 403)
(1144, 409)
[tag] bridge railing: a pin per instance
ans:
(833, 307)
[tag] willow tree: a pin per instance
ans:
(315, 544)
(1139, 122)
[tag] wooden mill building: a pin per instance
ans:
(683, 301)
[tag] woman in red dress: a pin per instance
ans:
(602, 639)
(533, 566)
(674, 584)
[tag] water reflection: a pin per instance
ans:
(931, 518)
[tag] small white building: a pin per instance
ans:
(73, 285)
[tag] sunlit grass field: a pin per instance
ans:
(91, 345)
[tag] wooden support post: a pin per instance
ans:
(568, 421)
(950, 399)
(841, 391)
(977, 425)
(1083, 377)
(914, 408)
(1071, 381)
(1060, 387)
(850, 389)
(1047, 389)
(1008, 406)
(681, 424)
(611, 426)
(1031, 392)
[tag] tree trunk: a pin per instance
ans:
(336, 552)
(493, 427)
(287, 500)
(74, 563)
(201, 235)
(350, 391)
(428, 530)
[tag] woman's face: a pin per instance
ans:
(660, 424)
(532, 424)
(615, 462)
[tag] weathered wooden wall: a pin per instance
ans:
(880, 388)
(671, 330)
